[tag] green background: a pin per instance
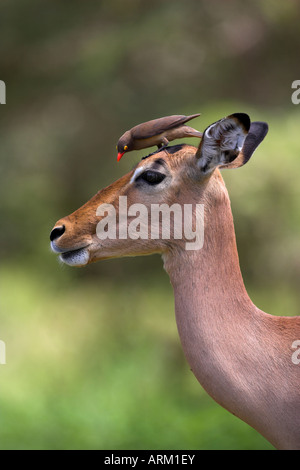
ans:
(93, 355)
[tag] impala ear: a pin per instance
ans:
(257, 133)
(222, 142)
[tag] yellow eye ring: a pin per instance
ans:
(126, 147)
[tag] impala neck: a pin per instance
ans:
(211, 302)
(224, 335)
(211, 277)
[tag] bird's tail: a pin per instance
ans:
(190, 132)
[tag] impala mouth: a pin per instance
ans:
(77, 257)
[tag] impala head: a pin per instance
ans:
(110, 223)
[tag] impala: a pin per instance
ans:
(240, 355)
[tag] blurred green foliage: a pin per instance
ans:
(88, 372)
(93, 355)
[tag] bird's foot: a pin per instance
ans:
(162, 147)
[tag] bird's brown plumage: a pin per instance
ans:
(156, 132)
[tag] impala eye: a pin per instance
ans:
(151, 177)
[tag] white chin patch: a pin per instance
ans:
(75, 258)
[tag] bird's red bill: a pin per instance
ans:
(120, 155)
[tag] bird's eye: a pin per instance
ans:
(126, 147)
(151, 177)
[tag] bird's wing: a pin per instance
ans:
(158, 126)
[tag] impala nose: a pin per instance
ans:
(57, 232)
